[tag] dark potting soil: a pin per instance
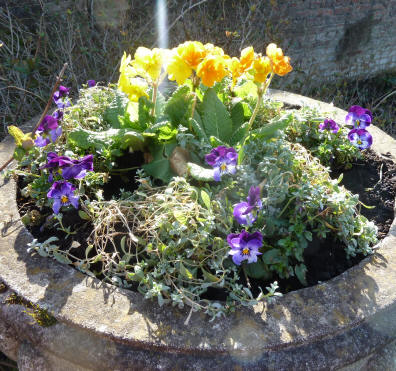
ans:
(373, 178)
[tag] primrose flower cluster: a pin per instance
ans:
(207, 64)
(359, 118)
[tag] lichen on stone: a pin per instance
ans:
(40, 315)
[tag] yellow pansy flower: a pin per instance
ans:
(261, 67)
(212, 69)
(280, 63)
(148, 62)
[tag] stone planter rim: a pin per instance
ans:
(299, 317)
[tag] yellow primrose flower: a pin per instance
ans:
(261, 67)
(134, 87)
(148, 62)
(192, 53)
(177, 69)
(247, 57)
(211, 49)
(235, 68)
(280, 63)
(125, 64)
(212, 69)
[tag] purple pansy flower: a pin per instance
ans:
(359, 117)
(223, 160)
(244, 246)
(243, 212)
(61, 97)
(63, 195)
(330, 125)
(48, 131)
(360, 138)
(76, 169)
(91, 83)
(58, 114)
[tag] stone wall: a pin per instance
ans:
(355, 38)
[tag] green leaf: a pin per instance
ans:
(215, 117)
(178, 107)
(247, 89)
(166, 133)
(145, 118)
(83, 215)
(184, 271)
(239, 134)
(200, 173)
(197, 126)
(116, 108)
(159, 106)
(237, 116)
(61, 258)
(180, 216)
(257, 270)
(267, 131)
(209, 277)
(118, 138)
(160, 168)
(272, 256)
(215, 142)
(133, 111)
(300, 271)
(206, 199)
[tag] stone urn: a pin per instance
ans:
(346, 323)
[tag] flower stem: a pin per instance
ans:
(260, 95)
(155, 91)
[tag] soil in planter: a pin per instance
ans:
(373, 178)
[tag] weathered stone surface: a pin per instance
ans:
(325, 327)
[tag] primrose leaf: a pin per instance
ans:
(239, 134)
(196, 123)
(246, 89)
(268, 131)
(200, 173)
(215, 117)
(237, 116)
(145, 118)
(160, 168)
(115, 138)
(116, 108)
(178, 107)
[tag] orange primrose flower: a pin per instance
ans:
(280, 63)
(212, 69)
(247, 57)
(192, 53)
